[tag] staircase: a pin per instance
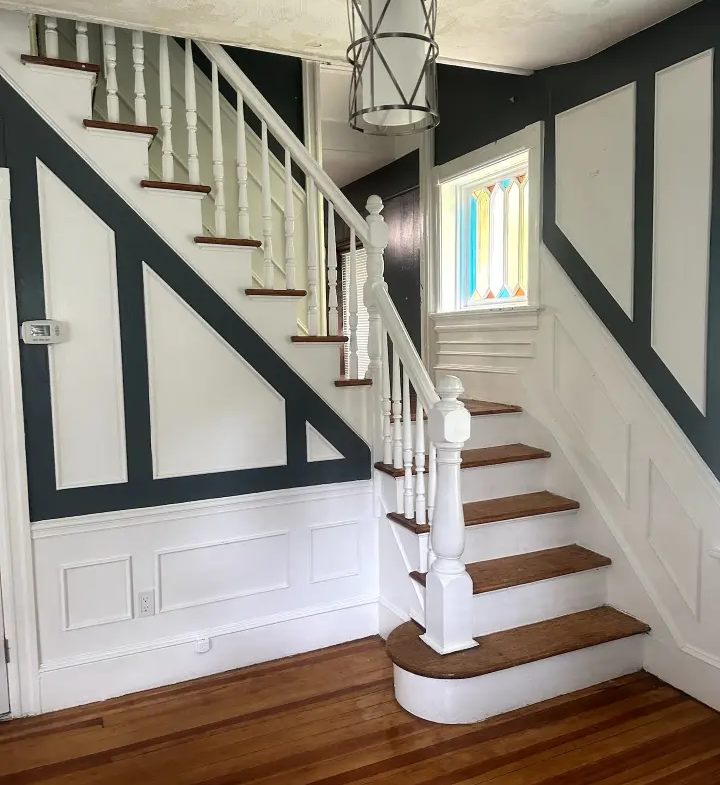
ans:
(508, 609)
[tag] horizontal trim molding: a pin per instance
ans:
(82, 524)
(476, 369)
(215, 632)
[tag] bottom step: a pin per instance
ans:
(515, 668)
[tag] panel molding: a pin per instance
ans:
(675, 351)
(622, 488)
(65, 600)
(162, 608)
(314, 576)
(43, 172)
(692, 600)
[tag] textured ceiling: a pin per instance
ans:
(523, 34)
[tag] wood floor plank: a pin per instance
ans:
(329, 718)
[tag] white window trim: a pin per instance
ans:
(444, 287)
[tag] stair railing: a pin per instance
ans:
(398, 432)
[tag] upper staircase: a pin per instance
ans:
(507, 609)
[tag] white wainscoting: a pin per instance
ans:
(262, 576)
(86, 380)
(595, 180)
(210, 410)
(683, 192)
(318, 447)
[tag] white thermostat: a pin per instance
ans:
(44, 331)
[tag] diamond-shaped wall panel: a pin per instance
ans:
(595, 176)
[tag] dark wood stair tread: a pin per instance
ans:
(233, 242)
(353, 382)
(275, 292)
(476, 408)
(148, 130)
(484, 456)
(506, 508)
(161, 185)
(527, 568)
(510, 648)
(71, 65)
(319, 339)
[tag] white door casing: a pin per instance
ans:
(4, 688)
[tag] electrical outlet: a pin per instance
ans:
(202, 645)
(146, 603)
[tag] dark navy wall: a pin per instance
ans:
(25, 137)
(514, 102)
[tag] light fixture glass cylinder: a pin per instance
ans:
(393, 54)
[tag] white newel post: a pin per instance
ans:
(449, 590)
(377, 242)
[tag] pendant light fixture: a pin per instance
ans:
(393, 54)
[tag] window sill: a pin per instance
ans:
(509, 317)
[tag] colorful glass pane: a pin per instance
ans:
(497, 240)
(514, 242)
(483, 242)
(525, 235)
(504, 292)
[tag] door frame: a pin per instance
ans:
(16, 556)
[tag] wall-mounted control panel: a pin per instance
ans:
(44, 331)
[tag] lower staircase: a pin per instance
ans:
(540, 620)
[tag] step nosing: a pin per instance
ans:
(512, 648)
(511, 572)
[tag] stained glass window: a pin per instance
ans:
(495, 236)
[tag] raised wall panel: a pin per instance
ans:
(217, 571)
(86, 382)
(675, 538)
(601, 423)
(318, 447)
(96, 592)
(595, 171)
(683, 188)
(334, 551)
(210, 410)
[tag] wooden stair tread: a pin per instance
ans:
(319, 339)
(510, 648)
(484, 456)
(161, 185)
(476, 408)
(353, 382)
(233, 242)
(275, 292)
(71, 65)
(149, 130)
(527, 568)
(506, 508)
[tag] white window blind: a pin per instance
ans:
(363, 328)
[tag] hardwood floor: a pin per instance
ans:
(329, 717)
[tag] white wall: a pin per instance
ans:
(647, 498)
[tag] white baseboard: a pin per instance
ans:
(73, 682)
(688, 671)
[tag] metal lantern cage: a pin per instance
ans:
(393, 54)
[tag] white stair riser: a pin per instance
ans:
(522, 535)
(505, 479)
(534, 602)
(129, 151)
(63, 90)
(177, 213)
(494, 429)
(462, 701)
(488, 482)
